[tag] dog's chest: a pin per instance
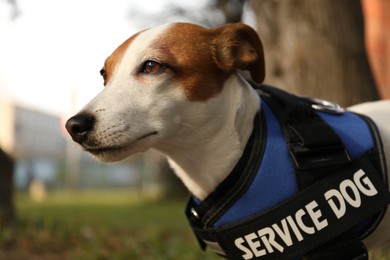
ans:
(282, 198)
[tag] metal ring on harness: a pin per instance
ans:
(325, 106)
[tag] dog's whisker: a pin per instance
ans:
(187, 124)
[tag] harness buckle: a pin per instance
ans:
(306, 158)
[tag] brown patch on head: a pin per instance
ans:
(202, 59)
(188, 53)
(112, 61)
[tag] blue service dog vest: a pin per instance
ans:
(298, 190)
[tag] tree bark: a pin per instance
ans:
(316, 48)
(7, 211)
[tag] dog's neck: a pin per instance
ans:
(205, 158)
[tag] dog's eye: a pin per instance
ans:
(103, 73)
(151, 67)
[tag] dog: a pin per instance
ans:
(182, 89)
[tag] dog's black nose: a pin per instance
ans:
(79, 126)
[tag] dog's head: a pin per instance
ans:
(159, 83)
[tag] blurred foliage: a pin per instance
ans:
(100, 225)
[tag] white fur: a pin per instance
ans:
(127, 108)
(212, 136)
(203, 140)
(199, 138)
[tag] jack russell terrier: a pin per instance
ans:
(189, 92)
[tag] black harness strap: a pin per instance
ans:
(316, 150)
(309, 224)
(312, 142)
(264, 236)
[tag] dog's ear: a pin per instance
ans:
(237, 46)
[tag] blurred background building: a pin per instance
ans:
(42, 152)
(34, 139)
(49, 68)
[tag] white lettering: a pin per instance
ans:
(254, 245)
(315, 215)
(349, 192)
(354, 201)
(248, 253)
(338, 211)
(369, 190)
(285, 234)
(294, 228)
(298, 218)
(270, 240)
(306, 220)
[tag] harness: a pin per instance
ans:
(311, 184)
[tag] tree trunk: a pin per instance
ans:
(316, 48)
(7, 212)
(231, 9)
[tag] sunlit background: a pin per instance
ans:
(51, 53)
(66, 204)
(50, 56)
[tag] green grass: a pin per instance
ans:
(99, 225)
(103, 225)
